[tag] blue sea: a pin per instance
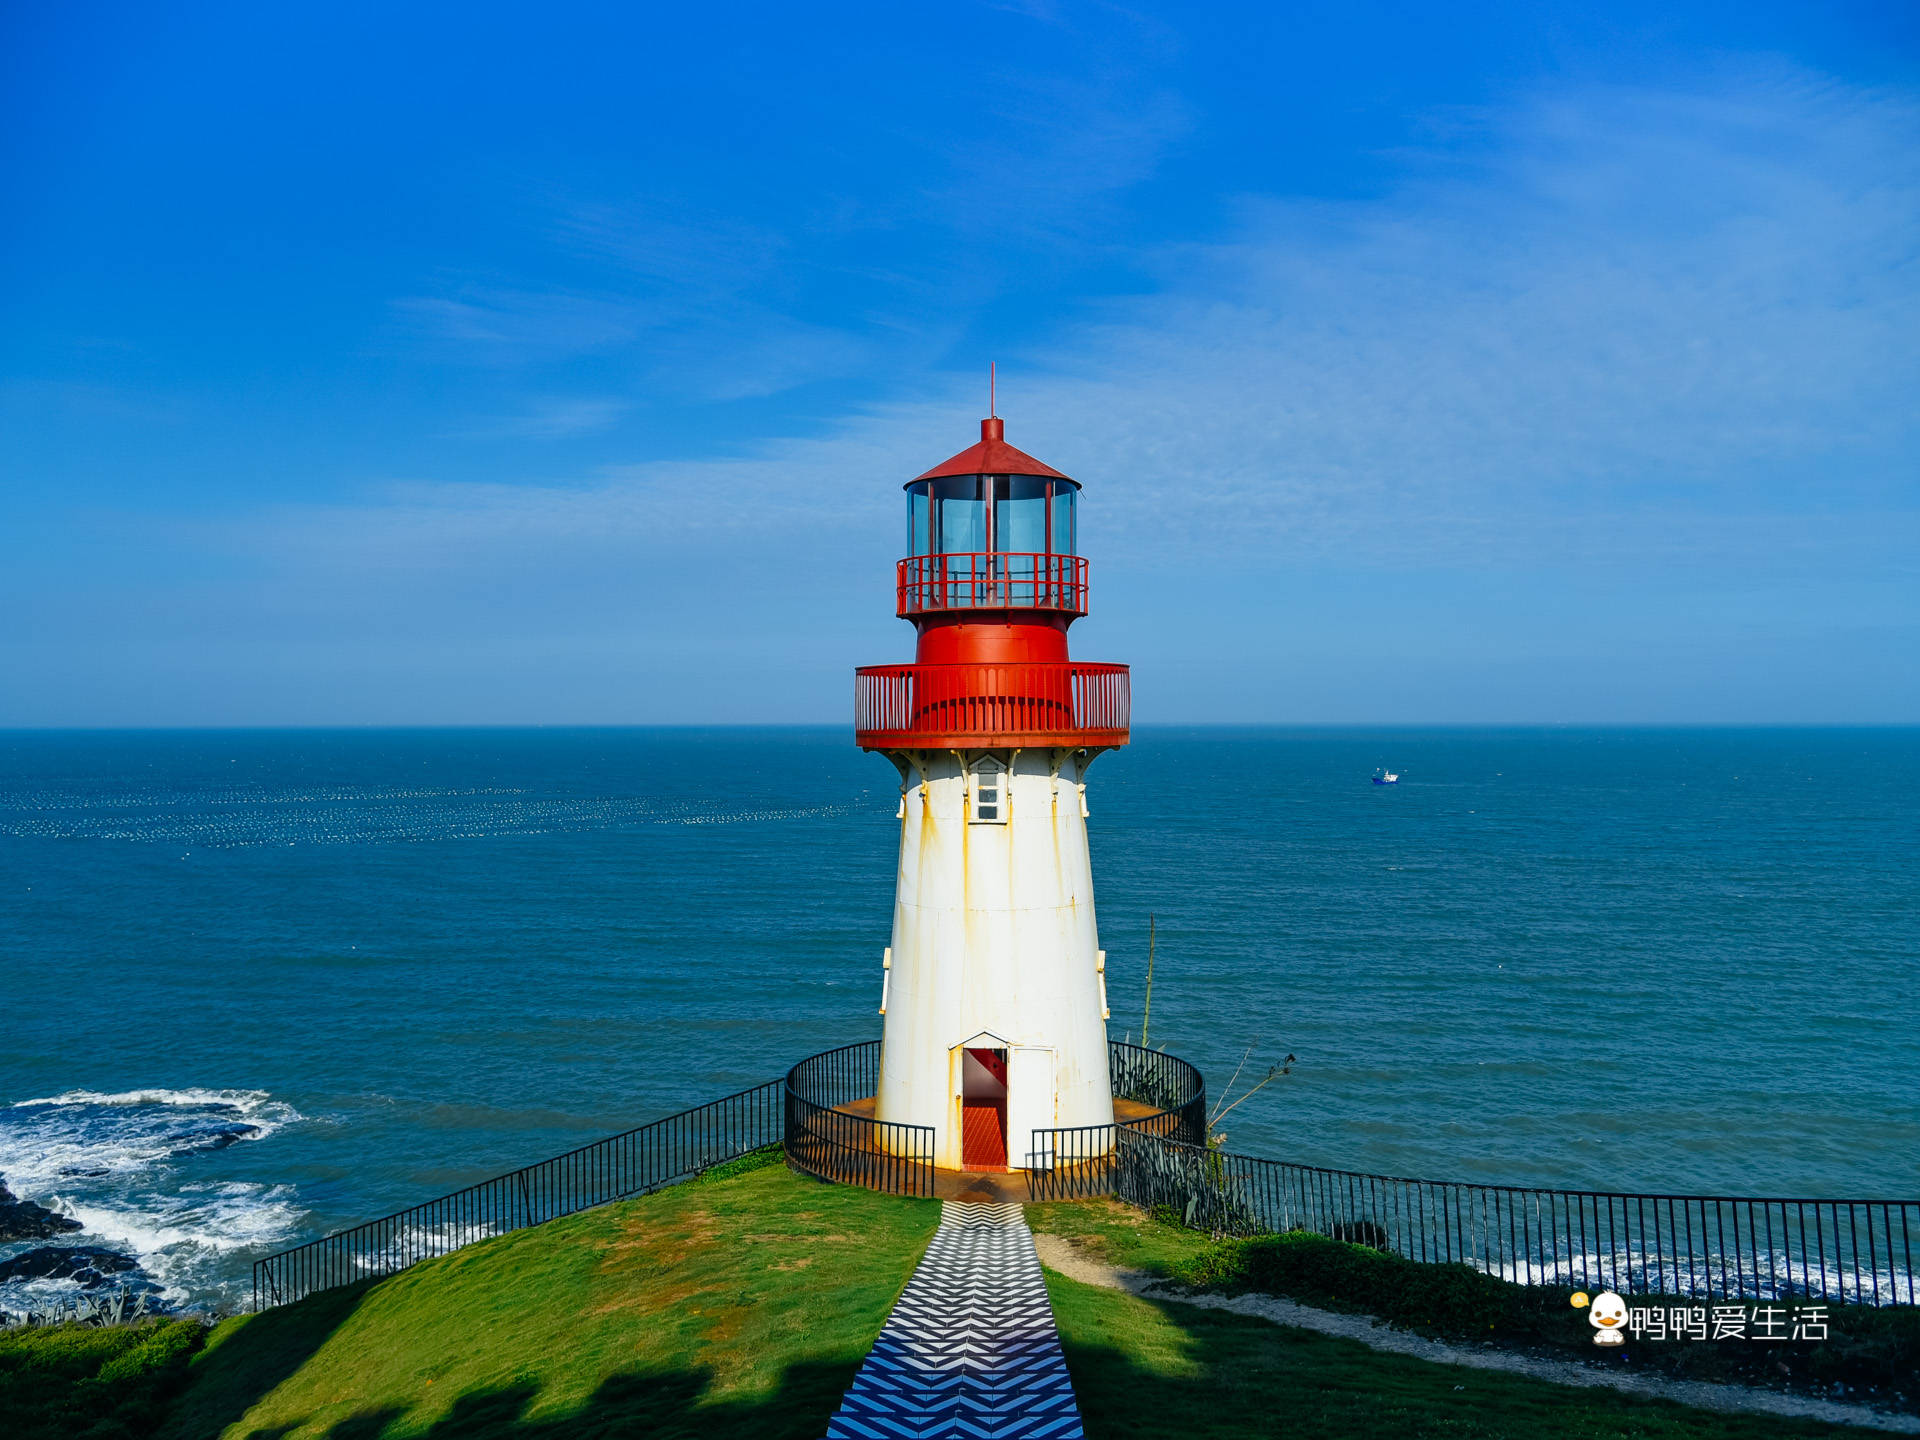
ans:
(257, 985)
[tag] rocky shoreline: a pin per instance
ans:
(93, 1268)
(88, 1266)
(24, 1220)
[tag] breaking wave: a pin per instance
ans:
(90, 1135)
(122, 1163)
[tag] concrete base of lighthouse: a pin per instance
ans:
(994, 977)
(1005, 1186)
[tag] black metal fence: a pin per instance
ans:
(845, 1146)
(1698, 1246)
(1173, 1087)
(1076, 1163)
(799, 1111)
(1701, 1247)
(632, 1163)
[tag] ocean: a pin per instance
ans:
(261, 984)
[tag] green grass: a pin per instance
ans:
(1159, 1368)
(1870, 1354)
(65, 1381)
(741, 1306)
(1120, 1236)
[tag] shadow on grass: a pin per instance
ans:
(1155, 1368)
(256, 1356)
(246, 1362)
(665, 1404)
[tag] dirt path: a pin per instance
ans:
(1058, 1254)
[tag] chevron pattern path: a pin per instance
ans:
(970, 1349)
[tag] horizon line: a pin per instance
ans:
(366, 726)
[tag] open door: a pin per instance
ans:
(983, 1108)
(1031, 1104)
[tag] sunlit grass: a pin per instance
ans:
(735, 1308)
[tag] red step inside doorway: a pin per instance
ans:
(983, 1109)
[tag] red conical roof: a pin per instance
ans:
(992, 456)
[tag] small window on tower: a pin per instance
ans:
(989, 792)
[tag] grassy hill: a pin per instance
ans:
(742, 1305)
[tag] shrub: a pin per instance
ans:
(76, 1382)
(1870, 1348)
(1454, 1300)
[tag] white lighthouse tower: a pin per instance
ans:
(995, 991)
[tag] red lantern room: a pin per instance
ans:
(991, 581)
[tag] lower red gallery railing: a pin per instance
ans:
(1031, 703)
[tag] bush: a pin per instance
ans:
(1452, 1300)
(77, 1382)
(1875, 1349)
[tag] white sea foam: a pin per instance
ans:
(193, 1243)
(122, 1164)
(49, 1142)
(1773, 1275)
(172, 1234)
(249, 1102)
(433, 1240)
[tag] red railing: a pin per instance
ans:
(1034, 703)
(992, 580)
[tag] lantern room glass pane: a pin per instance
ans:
(949, 516)
(1020, 514)
(960, 514)
(1063, 504)
(920, 519)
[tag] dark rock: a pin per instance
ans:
(211, 1137)
(24, 1220)
(88, 1265)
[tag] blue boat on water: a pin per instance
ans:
(1385, 777)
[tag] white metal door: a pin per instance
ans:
(1030, 1103)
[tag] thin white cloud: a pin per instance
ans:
(696, 258)
(500, 325)
(1636, 322)
(556, 418)
(1634, 339)
(1651, 304)
(1072, 150)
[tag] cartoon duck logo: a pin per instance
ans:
(1607, 1313)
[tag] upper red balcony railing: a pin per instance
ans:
(981, 705)
(992, 580)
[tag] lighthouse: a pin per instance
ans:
(994, 986)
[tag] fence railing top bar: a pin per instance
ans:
(1519, 1189)
(508, 1176)
(613, 1139)
(794, 1074)
(1172, 1061)
(829, 1054)
(815, 1105)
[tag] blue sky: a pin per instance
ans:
(482, 364)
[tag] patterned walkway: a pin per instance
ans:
(970, 1349)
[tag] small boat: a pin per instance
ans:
(1385, 777)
